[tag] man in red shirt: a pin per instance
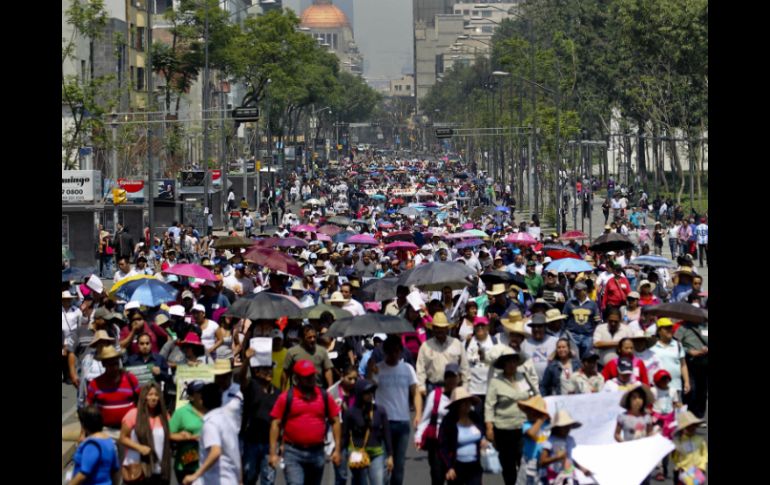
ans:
(304, 428)
(616, 290)
(116, 391)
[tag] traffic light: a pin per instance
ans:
(119, 196)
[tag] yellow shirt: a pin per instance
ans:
(278, 358)
(690, 451)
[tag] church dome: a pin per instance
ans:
(323, 15)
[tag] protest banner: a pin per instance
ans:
(143, 373)
(186, 374)
(627, 463)
(597, 411)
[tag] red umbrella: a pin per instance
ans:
(401, 245)
(330, 230)
(275, 260)
(570, 235)
(397, 201)
(559, 252)
(192, 271)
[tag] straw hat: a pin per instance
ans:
(562, 419)
(508, 354)
(222, 366)
(647, 282)
(536, 403)
(685, 420)
(497, 289)
(440, 320)
(554, 314)
(514, 323)
(108, 352)
(625, 401)
(297, 286)
(101, 336)
(461, 394)
(337, 298)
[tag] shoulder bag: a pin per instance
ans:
(430, 435)
(359, 458)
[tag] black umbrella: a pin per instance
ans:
(264, 306)
(679, 310)
(611, 242)
(435, 276)
(491, 277)
(369, 324)
(76, 274)
(380, 289)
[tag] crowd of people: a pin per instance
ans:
(467, 381)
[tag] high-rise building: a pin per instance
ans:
(426, 10)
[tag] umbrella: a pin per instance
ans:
(379, 289)
(401, 245)
(385, 224)
(343, 236)
(430, 203)
(390, 168)
(149, 292)
(362, 239)
(520, 238)
(611, 242)
(399, 236)
(435, 276)
(264, 306)
(339, 220)
(378, 197)
(469, 243)
(314, 202)
(490, 277)
(273, 259)
(409, 211)
(117, 286)
(315, 312)
(679, 310)
(363, 222)
(556, 251)
(369, 324)
(304, 228)
(654, 261)
(397, 201)
(569, 265)
(432, 180)
(76, 274)
(475, 233)
(467, 225)
(323, 237)
(232, 242)
(286, 242)
(192, 271)
(329, 230)
(502, 208)
(570, 235)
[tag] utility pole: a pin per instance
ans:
(205, 111)
(150, 98)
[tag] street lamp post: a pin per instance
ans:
(150, 96)
(502, 153)
(206, 110)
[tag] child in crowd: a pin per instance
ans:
(536, 432)
(625, 379)
(556, 457)
(636, 422)
(663, 413)
(691, 455)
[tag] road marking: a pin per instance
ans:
(65, 415)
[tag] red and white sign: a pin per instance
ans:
(216, 174)
(131, 186)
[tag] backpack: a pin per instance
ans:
(290, 397)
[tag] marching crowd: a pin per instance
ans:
(465, 385)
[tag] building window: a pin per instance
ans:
(132, 35)
(475, 13)
(466, 12)
(458, 12)
(140, 38)
(131, 72)
(439, 64)
(334, 41)
(140, 79)
(486, 13)
(488, 29)
(408, 87)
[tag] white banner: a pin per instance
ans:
(80, 185)
(598, 412)
(627, 463)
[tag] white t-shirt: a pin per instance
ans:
(393, 389)
(539, 352)
(208, 336)
(219, 430)
(703, 233)
(119, 275)
(354, 307)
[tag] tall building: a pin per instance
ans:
(432, 43)
(347, 6)
(330, 26)
(426, 10)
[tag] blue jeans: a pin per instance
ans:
(303, 467)
(583, 342)
(673, 244)
(373, 475)
(341, 472)
(255, 464)
(399, 436)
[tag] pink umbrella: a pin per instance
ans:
(401, 245)
(304, 228)
(323, 237)
(275, 260)
(457, 235)
(520, 238)
(286, 242)
(330, 230)
(362, 239)
(192, 271)
(467, 225)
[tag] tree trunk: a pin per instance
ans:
(679, 173)
(641, 151)
(655, 159)
(699, 165)
(662, 161)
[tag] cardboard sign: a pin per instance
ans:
(143, 373)
(263, 347)
(185, 374)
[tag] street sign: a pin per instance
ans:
(246, 114)
(444, 132)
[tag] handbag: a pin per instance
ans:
(430, 435)
(490, 460)
(132, 472)
(359, 458)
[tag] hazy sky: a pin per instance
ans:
(383, 32)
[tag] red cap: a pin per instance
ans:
(660, 375)
(304, 368)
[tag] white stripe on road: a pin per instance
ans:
(65, 415)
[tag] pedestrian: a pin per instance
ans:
(536, 430)
(366, 432)
(582, 318)
(563, 363)
(606, 209)
(694, 339)
(303, 414)
(259, 398)
(248, 224)
(690, 456)
(556, 456)
(684, 232)
(115, 392)
(702, 232)
(587, 379)
(185, 429)
(145, 436)
(156, 362)
(244, 206)
(96, 459)
(636, 422)
(309, 350)
(461, 438)
(539, 346)
(625, 350)
(436, 353)
(220, 457)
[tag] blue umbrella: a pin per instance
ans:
(148, 292)
(569, 265)
(470, 243)
(654, 261)
(375, 174)
(343, 236)
(76, 274)
(502, 208)
(432, 180)
(390, 168)
(378, 197)
(390, 211)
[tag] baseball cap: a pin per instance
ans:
(480, 321)
(304, 368)
(276, 333)
(199, 308)
(665, 322)
(195, 386)
(102, 313)
(634, 295)
(452, 369)
(590, 355)
(552, 272)
(660, 375)
(426, 247)
(176, 311)
(625, 366)
(187, 294)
